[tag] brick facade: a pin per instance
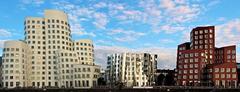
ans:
(198, 59)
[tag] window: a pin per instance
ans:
(196, 65)
(190, 71)
(210, 31)
(216, 69)
(196, 54)
(228, 70)
(206, 31)
(216, 75)
(228, 56)
(196, 42)
(233, 70)
(191, 77)
(195, 71)
(234, 76)
(196, 59)
(185, 71)
(228, 76)
(196, 32)
(185, 66)
(195, 76)
(222, 69)
(184, 77)
(233, 56)
(222, 75)
(210, 36)
(233, 51)
(191, 66)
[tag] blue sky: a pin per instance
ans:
(155, 26)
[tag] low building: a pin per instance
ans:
(131, 69)
(85, 76)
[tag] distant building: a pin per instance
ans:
(164, 71)
(1, 72)
(48, 56)
(199, 62)
(131, 69)
(238, 72)
(103, 74)
(161, 77)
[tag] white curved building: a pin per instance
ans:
(52, 52)
(15, 65)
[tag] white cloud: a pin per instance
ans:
(168, 29)
(180, 11)
(100, 20)
(165, 41)
(213, 2)
(78, 15)
(221, 19)
(25, 3)
(167, 4)
(5, 33)
(165, 55)
(125, 35)
(228, 33)
(36, 2)
(100, 5)
(77, 29)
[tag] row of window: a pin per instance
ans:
(49, 47)
(11, 84)
(50, 31)
(186, 55)
(81, 48)
(84, 83)
(12, 77)
(12, 49)
(7, 61)
(49, 37)
(82, 70)
(225, 70)
(188, 66)
(225, 76)
(12, 55)
(188, 77)
(203, 46)
(43, 78)
(43, 27)
(83, 76)
(203, 31)
(206, 36)
(203, 42)
(83, 44)
(43, 84)
(86, 54)
(228, 52)
(43, 22)
(188, 71)
(12, 71)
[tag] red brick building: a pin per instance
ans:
(199, 62)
